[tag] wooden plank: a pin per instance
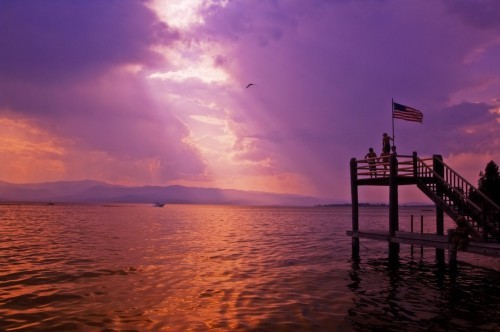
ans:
(423, 236)
(384, 181)
(374, 235)
(422, 239)
(427, 240)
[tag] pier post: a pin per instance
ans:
(437, 165)
(393, 209)
(355, 209)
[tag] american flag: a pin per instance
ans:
(406, 113)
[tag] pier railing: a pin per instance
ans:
(445, 187)
(379, 167)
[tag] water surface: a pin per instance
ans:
(224, 268)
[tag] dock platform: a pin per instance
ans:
(427, 240)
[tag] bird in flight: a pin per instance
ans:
(249, 85)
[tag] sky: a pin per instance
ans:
(154, 92)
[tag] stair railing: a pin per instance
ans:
(456, 192)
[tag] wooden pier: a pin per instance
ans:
(427, 240)
(451, 194)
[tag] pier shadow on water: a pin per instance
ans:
(422, 296)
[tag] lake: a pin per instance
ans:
(126, 267)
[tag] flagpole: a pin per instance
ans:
(392, 115)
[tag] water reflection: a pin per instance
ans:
(199, 268)
(421, 296)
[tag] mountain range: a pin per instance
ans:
(89, 191)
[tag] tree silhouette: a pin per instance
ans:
(489, 182)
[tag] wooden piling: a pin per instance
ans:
(355, 209)
(438, 167)
(393, 208)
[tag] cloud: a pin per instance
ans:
(483, 14)
(61, 40)
(325, 78)
(471, 127)
(78, 70)
(155, 91)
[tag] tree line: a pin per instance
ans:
(489, 182)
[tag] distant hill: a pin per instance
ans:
(95, 191)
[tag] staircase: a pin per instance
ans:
(457, 197)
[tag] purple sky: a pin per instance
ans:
(153, 92)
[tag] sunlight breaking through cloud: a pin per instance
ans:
(206, 74)
(179, 13)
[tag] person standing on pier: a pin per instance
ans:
(386, 143)
(371, 156)
(393, 151)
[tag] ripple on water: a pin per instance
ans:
(199, 268)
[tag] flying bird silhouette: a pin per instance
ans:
(249, 85)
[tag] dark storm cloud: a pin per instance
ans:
(50, 41)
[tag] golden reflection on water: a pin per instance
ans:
(199, 268)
